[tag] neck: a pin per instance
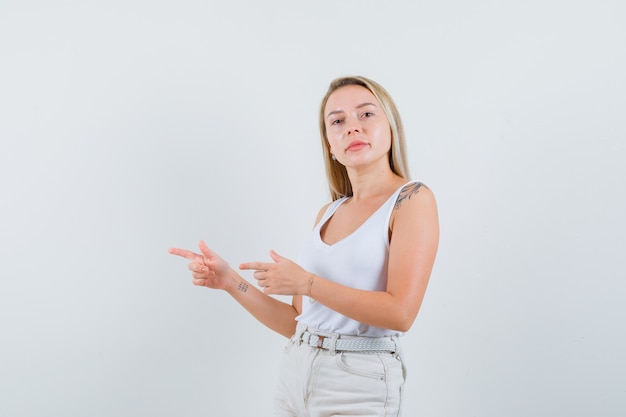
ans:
(373, 183)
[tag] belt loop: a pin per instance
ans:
(333, 343)
(398, 347)
(300, 331)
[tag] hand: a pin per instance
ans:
(207, 268)
(282, 277)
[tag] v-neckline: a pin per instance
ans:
(352, 233)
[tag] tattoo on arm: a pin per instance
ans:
(407, 192)
(243, 287)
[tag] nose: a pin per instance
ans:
(353, 126)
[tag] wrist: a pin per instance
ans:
(310, 283)
(235, 283)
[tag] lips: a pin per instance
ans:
(355, 145)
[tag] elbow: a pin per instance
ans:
(403, 326)
(402, 322)
(401, 315)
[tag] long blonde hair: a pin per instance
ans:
(337, 175)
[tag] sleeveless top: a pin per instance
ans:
(359, 260)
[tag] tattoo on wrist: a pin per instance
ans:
(243, 287)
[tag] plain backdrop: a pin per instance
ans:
(131, 126)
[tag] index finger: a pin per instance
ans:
(184, 253)
(258, 266)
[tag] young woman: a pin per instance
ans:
(359, 281)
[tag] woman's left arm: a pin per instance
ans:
(412, 250)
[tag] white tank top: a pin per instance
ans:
(359, 261)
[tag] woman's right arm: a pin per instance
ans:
(210, 270)
(275, 314)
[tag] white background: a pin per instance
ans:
(131, 126)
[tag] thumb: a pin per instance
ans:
(205, 250)
(276, 257)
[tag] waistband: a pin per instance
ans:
(339, 343)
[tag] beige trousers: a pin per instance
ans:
(319, 383)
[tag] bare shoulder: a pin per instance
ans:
(417, 193)
(415, 203)
(320, 214)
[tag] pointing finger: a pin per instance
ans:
(184, 253)
(259, 266)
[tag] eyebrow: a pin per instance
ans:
(358, 107)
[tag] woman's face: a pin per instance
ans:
(357, 128)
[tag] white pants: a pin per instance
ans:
(319, 383)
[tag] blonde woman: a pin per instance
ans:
(359, 281)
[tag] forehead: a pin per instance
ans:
(349, 96)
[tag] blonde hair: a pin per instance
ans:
(338, 180)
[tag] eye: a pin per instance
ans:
(336, 122)
(367, 114)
